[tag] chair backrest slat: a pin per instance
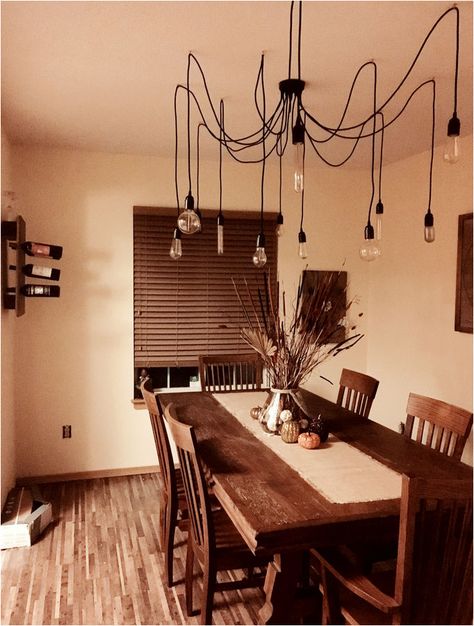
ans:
(434, 564)
(230, 372)
(357, 392)
(163, 448)
(448, 425)
(195, 486)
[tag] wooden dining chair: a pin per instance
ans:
(439, 425)
(231, 372)
(173, 505)
(357, 392)
(432, 583)
(213, 540)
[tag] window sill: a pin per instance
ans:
(139, 403)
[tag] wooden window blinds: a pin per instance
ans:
(187, 308)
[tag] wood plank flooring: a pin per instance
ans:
(99, 563)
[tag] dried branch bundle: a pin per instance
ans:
(291, 347)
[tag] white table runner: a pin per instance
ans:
(339, 471)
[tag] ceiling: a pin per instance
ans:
(101, 75)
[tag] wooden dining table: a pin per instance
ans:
(276, 510)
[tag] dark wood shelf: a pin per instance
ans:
(13, 233)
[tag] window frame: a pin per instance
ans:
(225, 265)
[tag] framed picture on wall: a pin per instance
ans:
(463, 315)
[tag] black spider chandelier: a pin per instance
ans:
(291, 122)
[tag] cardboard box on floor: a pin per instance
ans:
(24, 517)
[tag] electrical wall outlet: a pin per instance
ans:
(67, 431)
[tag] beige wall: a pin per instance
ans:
(75, 354)
(9, 365)
(412, 342)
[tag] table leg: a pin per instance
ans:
(280, 588)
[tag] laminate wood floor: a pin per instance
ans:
(99, 562)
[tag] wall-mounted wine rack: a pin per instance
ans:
(13, 232)
(14, 270)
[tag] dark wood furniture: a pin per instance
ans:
(438, 425)
(230, 372)
(13, 232)
(432, 583)
(173, 505)
(357, 392)
(213, 540)
(278, 512)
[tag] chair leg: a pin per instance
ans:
(170, 528)
(189, 577)
(163, 522)
(208, 588)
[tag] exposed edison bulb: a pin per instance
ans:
(188, 221)
(279, 227)
(378, 220)
(260, 258)
(176, 251)
(299, 177)
(369, 250)
(378, 226)
(429, 234)
(220, 234)
(302, 247)
(451, 149)
(298, 142)
(429, 227)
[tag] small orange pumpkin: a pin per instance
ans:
(309, 440)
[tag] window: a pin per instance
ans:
(186, 308)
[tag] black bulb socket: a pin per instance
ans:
(261, 240)
(298, 131)
(429, 220)
(454, 126)
(369, 232)
(220, 219)
(189, 202)
(176, 233)
(302, 236)
(379, 208)
(280, 219)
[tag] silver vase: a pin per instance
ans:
(276, 402)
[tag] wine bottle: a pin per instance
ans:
(40, 291)
(39, 271)
(44, 250)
